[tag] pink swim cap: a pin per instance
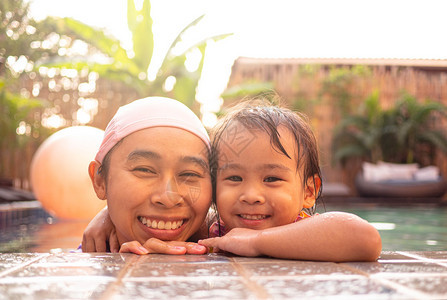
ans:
(150, 112)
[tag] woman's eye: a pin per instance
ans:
(234, 178)
(144, 170)
(272, 179)
(187, 175)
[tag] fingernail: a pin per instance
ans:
(143, 250)
(198, 247)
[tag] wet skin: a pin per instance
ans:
(259, 189)
(158, 185)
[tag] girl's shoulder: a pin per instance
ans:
(303, 215)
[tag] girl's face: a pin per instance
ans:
(158, 185)
(257, 186)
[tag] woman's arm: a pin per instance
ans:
(332, 236)
(154, 245)
(101, 233)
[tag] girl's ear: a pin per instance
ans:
(311, 191)
(98, 181)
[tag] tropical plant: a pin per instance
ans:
(414, 130)
(17, 123)
(248, 89)
(338, 86)
(403, 134)
(131, 68)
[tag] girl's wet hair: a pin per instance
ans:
(260, 114)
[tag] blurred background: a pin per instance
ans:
(371, 75)
(67, 63)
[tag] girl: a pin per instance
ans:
(267, 182)
(152, 168)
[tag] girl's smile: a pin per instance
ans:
(258, 189)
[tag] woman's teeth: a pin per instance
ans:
(168, 225)
(254, 217)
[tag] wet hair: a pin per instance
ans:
(259, 114)
(103, 169)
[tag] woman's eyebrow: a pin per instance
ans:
(137, 154)
(196, 160)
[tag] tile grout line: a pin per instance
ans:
(395, 286)
(402, 289)
(111, 290)
(255, 288)
(421, 258)
(27, 263)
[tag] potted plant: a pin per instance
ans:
(400, 140)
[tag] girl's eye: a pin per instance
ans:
(234, 178)
(272, 179)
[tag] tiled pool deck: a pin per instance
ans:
(396, 275)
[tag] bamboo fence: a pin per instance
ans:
(424, 79)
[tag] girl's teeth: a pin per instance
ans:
(168, 225)
(253, 217)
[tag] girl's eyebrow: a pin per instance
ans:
(230, 166)
(273, 166)
(235, 166)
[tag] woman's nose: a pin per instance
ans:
(168, 194)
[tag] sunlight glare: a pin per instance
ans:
(383, 226)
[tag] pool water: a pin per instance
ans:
(415, 228)
(410, 228)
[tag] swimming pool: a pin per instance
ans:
(411, 227)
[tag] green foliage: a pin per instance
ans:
(414, 129)
(132, 70)
(17, 33)
(403, 134)
(338, 86)
(249, 89)
(14, 110)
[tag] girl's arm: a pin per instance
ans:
(332, 236)
(100, 234)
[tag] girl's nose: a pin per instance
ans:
(252, 195)
(168, 195)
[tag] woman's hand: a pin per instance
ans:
(154, 245)
(100, 233)
(239, 241)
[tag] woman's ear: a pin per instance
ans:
(98, 180)
(311, 191)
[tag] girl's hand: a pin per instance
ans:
(154, 245)
(239, 241)
(98, 233)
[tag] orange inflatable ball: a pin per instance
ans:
(59, 173)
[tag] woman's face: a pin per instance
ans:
(158, 185)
